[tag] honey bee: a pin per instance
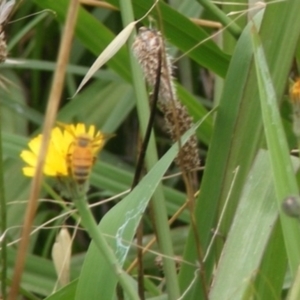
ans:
(82, 153)
(5, 10)
(81, 158)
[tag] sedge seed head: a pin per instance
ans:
(146, 48)
(3, 50)
(149, 48)
(5, 10)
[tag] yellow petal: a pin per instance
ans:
(28, 171)
(68, 140)
(35, 144)
(91, 131)
(80, 129)
(60, 141)
(29, 157)
(56, 161)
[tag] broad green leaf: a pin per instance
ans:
(295, 289)
(272, 272)
(66, 293)
(249, 235)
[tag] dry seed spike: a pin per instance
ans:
(5, 9)
(146, 47)
(3, 51)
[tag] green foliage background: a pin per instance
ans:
(244, 147)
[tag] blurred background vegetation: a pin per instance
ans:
(240, 193)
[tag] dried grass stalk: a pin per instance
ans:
(146, 47)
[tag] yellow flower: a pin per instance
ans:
(61, 140)
(295, 100)
(295, 91)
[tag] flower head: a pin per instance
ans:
(60, 149)
(295, 91)
(295, 100)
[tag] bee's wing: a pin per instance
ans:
(5, 9)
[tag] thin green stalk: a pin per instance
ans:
(158, 200)
(3, 222)
(232, 27)
(90, 225)
(25, 30)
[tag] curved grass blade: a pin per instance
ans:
(285, 180)
(108, 53)
(66, 293)
(251, 230)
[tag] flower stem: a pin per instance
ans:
(90, 225)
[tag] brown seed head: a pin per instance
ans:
(3, 51)
(149, 48)
(5, 10)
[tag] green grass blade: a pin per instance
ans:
(249, 235)
(285, 181)
(228, 149)
(66, 293)
(270, 278)
(295, 289)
